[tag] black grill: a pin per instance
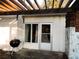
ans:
(14, 43)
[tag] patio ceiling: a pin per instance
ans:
(34, 6)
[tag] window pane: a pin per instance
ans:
(46, 38)
(27, 32)
(35, 33)
(46, 28)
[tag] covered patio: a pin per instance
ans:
(27, 20)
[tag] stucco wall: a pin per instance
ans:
(73, 39)
(58, 37)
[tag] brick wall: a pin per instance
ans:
(72, 24)
(77, 22)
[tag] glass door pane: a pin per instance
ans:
(31, 33)
(27, 32)
(46, 38)
(45, 33)
(35, 33)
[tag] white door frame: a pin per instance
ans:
(51, 37)
(39, 43)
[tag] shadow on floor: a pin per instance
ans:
(32, 54)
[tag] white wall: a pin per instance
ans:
(20, 32)
(58, 29)
(5, 32)
(11, 28)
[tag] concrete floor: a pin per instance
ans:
(32, 54)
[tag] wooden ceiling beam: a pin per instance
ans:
(39, 12)
(53, 4)
(3, 7)
(60, 4)
(19, 5)
(75, 5)
(45, 4)
(24, 4)
(5, 2)
(11, 4)
(37, 4)
(2, 10)
(30, 4)
(9, 7)
(69, 2)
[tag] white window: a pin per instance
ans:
(38, 36)
(45, 37)
(31, 33)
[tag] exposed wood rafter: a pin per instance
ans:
(23, 3)
(60, 3)
(19, 5)
(45, 4)
(33, 7)
(2, 10)
(37, 4)
(11, 4)
(53, 4)
(41, 12)
(7, 5)
(76, 5)
(3, 7)
(67, 5)
(30, 4)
